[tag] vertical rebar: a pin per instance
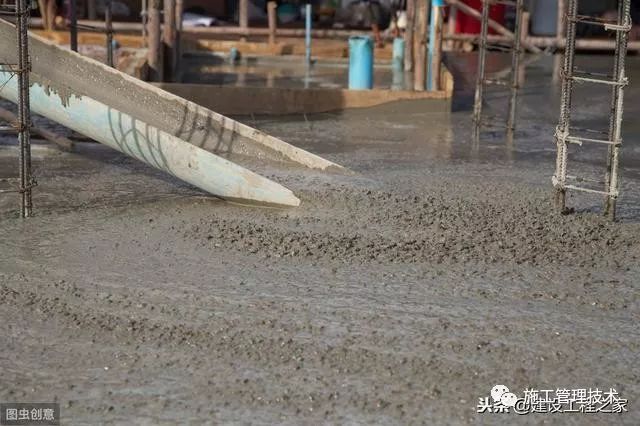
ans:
(516, 55)
(480, 78)
(617, 108)
(564, 125)
(108, 22)
(24, 116)
(73, 24)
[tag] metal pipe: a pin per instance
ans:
(307, 37)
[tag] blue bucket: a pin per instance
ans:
(360, 63)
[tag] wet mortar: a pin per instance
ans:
(396, 295)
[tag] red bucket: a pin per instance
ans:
(466, 24)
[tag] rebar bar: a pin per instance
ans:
(73, 25)
(480, 78)
(515, 66)
(515, 48)
(617, 102)
(24, 116)
(562, 131)
(617, 81)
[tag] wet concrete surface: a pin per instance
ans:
(284, 72)
(396, 295)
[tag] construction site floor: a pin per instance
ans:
(397, 295)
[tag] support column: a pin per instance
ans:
(155, 42)
(273, 21)
(435, 44)
(169, 38)
(243, 16)
(178, 46)
(420, 46)
(409, 35)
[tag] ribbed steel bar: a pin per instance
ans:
(562, 131)
(617, 109)
(515, 65)
(512, 83)
(24, 115)
(482, 56)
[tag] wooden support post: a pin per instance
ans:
(409, 35)
(273, 19)
(243, 16)
(178, 46)
(420, 45)
(169, 38)
(155, 42)
(435, 46)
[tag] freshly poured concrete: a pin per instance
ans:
(399, 295)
